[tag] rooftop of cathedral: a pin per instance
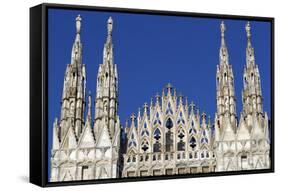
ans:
(169, 103)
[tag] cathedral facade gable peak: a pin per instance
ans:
(132, 139)
(243, 132)
(87, 138)
(70, 139)
(228, 132)
(103, 138)
(257, 131)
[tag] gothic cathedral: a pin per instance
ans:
(168, 136)
(82, 149)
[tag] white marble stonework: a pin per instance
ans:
(83, 149)
(168, 136)
(243, 144)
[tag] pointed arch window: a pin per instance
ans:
(192, 129)
(180, 119)
(169, 135)
(132, 141)
(145, 130)
(181, 142)
(157, 120)
(169, 123)
(144, 145)
(169, 109)
(192, 143)
(204, 138)
(202, 155)
(157, 139)
(145, 125)
(72, 108)
(134, 158)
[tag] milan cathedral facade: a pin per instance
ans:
(168, 136)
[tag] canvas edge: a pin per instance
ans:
(39, 176)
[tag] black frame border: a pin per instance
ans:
(38, 165)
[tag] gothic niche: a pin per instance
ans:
(169, 135)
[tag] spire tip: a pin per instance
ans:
(78, 23)
(248, 29)
(222, 28)
(109, 25)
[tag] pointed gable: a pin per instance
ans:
(103, 138)
(69, 141)
(243, 132)
(132, 138)
(87, 138)
(228, 133)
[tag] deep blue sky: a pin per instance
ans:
(151, 51)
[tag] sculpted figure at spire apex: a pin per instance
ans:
(133, 117)
(248, 29)
(78, 24)
(169, 86)
(222, 28)
(109, 26)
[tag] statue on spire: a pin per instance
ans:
(222, 29)
(248, 29)
(78, 24)
(223, 49)
(89, 105)
(109, 26)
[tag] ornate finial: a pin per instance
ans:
(248, 29)
(222, 29)
(133, 117)
(180, 97)
(223, 49)
(169, 86)
(145, 105)
(78, 24)
(89, 105)
(204, 115)
(157, 96)
(139, 112)
(192, 105)
(109, 26)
